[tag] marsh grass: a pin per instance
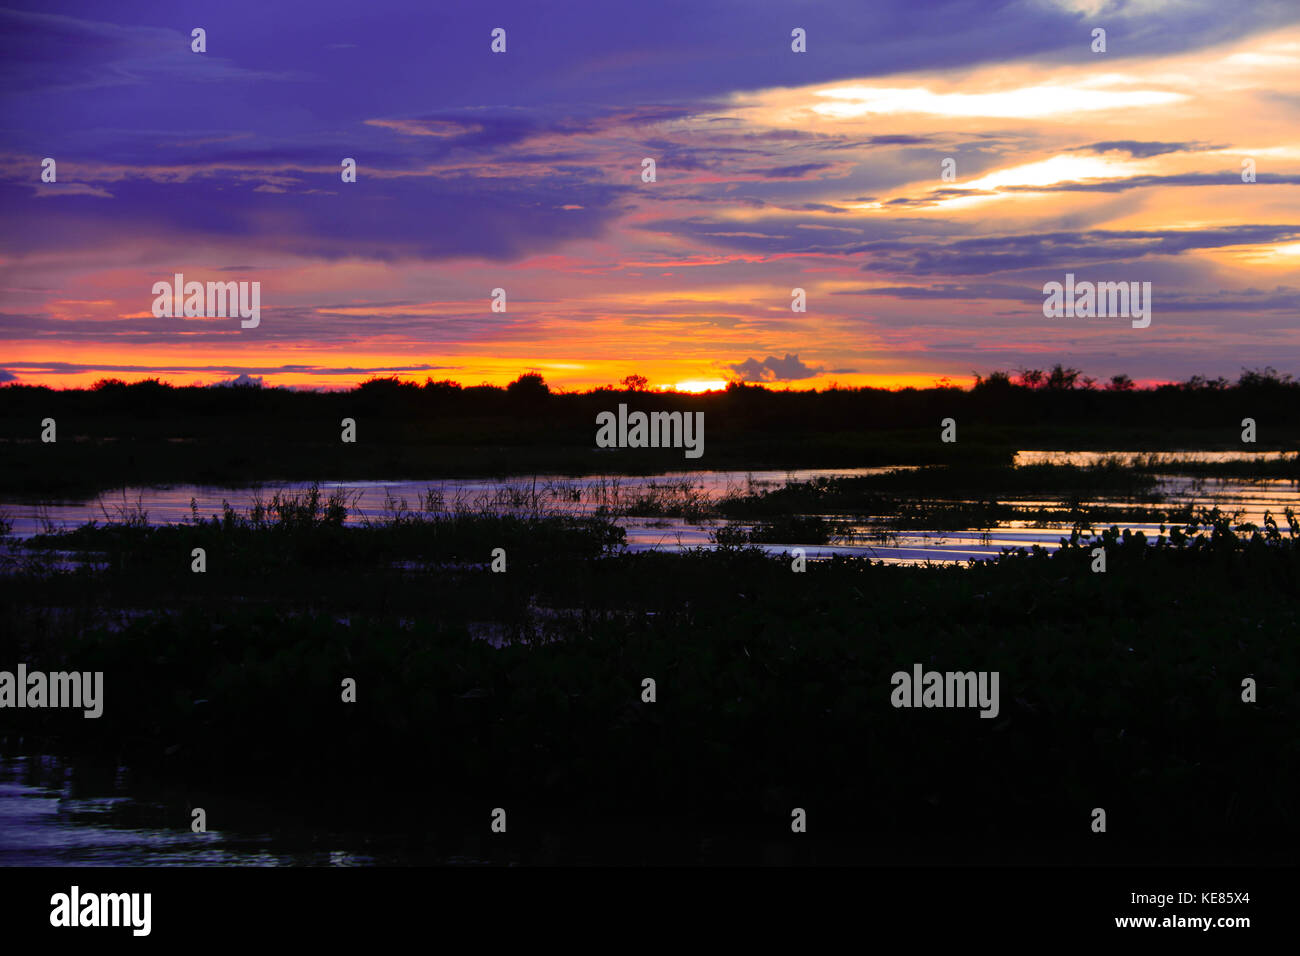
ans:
(771, 685)
(790, 530)
(297, 536)
(1286, 467)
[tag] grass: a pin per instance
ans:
(1119, 689)
(952, 498)
(1286, 467)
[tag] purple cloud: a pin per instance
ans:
(773, 369)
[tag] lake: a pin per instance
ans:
(58, 812)
(373, 500)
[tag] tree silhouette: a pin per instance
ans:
(529, 385)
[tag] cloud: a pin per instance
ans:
(1119, 184)
(523, 171)
(242, 379)
(946, 290)
(1228, 177)
(85, 55)
(793, 172)
(773, 369)
(242, 375)
(990, 254)
(43, 190)
(1140, 149)
(500, 219)
(7, 376)
(1284, 299)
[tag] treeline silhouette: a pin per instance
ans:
(153, 432)
(1004, 397)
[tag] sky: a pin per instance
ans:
(522, 170)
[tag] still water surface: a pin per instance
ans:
(373, 500)
(53, 813)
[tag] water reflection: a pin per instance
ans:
(51, 814)
(1084, 458)
(48, 818)
(59, 812)
(55, 812)
(374, 500)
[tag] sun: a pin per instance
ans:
(697, 385)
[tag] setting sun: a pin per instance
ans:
(697, 385)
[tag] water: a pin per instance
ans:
(49, 816)
(59, 812)
(373, 500)
(1083, 458)
(52, 813)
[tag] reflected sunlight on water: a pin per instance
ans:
(373, 501)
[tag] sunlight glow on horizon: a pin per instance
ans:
(837, 186)
(696, 386)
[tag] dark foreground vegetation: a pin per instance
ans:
(952, 497)
(523, 690)
(149, 432)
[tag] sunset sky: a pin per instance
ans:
(775, 170)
